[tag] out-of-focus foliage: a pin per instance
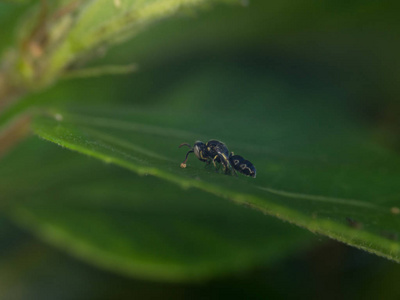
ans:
(31, 269)
(58, 36)
(308, 91)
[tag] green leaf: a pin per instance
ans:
(319, 166)
(139, 226)
(59, 36)
(90, 25)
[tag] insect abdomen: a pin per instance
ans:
(243, 166)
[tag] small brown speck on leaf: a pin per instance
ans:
(395, 210)
(354, 224)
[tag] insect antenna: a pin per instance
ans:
(185, 144)
(183, 164)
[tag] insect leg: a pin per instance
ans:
(213, 161)
(233, 171)
(224, 161)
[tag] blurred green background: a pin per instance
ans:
(333, 54)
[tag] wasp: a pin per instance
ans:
(216, 152)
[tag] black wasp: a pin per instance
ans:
(216, 152)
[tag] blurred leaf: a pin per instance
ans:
(318, 165)
(140, 226)
(33, 270)
(58, 36)
(103, 23)
(30, 269)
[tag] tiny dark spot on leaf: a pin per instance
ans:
(390, 235)
(353, 223)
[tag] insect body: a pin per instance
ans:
(216, 152)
